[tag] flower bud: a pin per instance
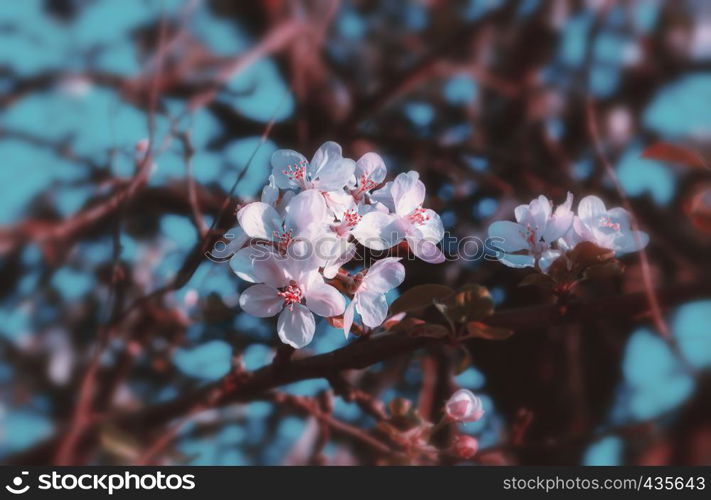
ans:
(465, 446)
(464, 406)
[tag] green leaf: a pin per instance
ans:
(476, 329)
(419, 297)
(471, 302)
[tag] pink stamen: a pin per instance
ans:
(291, 294)
(530, 235)
(283, 238)
(419, 216)
(351, 217)
(297, 172)
(364, 184)
(607, 222)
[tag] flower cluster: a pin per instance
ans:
(540, 234)
(293, 242)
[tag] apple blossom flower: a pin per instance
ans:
(236, 236)
(370, 172)
(464, 406)
(327, 171)
(609, 229)
(420, 227)
(527, 242)
(301, 222)
(464, 446)
(369, 297)
(294, 289)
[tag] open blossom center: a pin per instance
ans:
(283, 238)
(297, 172)
(364, 184)
(351, 217)
(607, 222)
(418, 216)
(291, 294)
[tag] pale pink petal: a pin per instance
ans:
(372, 307)
(270, 192)
(283, 162)
(408, 193)
(242, 262)
(378, 231)
(425, 250)
(590, 209)
(348, 317)
(509, 236)
(333, 265)
(432, 228)
(372, 167)
(329, 170)
(325, 300)
(384, 196)
(259, 220)
(559, 222)
(261, 301)
(269, 269)
(384, 275)
(304, 209)
(296, 326)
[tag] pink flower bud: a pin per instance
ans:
(464, 406)
(142, 146)
(465, 446)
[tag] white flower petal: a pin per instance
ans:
(296, 326)
(510, 236)
(384, 196)
(634, 241)
(378, 231)
(432, 228)
(259, 220)
(517, 261)
(329, 171)
(372, 307)
(372, 167)
(282, 161)
(261, 301)
(338, 202)
(333, 265)
(242, 262)
(408, 193)
(270, 192)
(559, 222)
(590, 209)
(547, 258)
(305, 209)
(348, 317)
(384, 275)
(425, 250)
(325, 300)
(270, 269)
